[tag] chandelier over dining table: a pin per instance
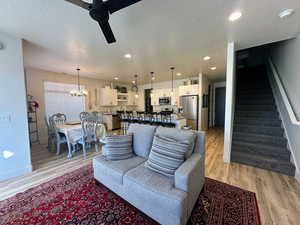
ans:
(79, 92)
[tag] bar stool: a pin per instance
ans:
(130, 117)
(147, 118)
(156, 119)
(141, 118)
(166, 118)
(124, 121)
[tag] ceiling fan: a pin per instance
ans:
(100, 10)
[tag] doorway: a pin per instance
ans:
(220, 94)
(148, 106)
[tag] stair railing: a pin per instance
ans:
(284, 96)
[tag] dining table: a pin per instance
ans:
(73, 130)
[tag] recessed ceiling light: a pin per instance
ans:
(206, 58)
(116, 78)
(286, 13)
(127, 56)
(213, 68)
(178, 74)
(235, 16)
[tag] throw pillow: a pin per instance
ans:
(118, 147)
(182, 136)
(166, 155)
(142, 139)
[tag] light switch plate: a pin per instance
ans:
(5, 120)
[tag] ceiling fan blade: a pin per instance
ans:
(109, 35)
(80, 3)
(116, 5)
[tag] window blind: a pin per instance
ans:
(59, 100)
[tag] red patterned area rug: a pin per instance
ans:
(76, 199)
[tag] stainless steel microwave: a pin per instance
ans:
(165, 101)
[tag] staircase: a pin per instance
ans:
(258, 136)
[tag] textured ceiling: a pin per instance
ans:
(158, 33)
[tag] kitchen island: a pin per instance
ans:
(179, 121)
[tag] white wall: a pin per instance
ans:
(286, 57)
(285, 80)
(14, 139)
(230, 101)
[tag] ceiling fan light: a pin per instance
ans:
(286, 13)
(128, 56)
(235, 16)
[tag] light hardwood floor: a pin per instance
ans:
(278, 195)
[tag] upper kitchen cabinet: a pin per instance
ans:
(132, 100)
(154, 98)
(108, 97)
(189, 90)
(175, 97)
(165, 93)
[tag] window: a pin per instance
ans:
(59, 100)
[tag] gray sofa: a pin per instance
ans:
(168, 200)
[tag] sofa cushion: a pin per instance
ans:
(118, 147)
(182, 136)
(142, 139)
(115, 170)
(163, 200)
(166, 155)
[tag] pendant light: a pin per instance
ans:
(79, 92)
(172, 71)
(135, 86)
(152, 79)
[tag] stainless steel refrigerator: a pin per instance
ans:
(190, 110)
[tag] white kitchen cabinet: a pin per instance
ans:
(175, 97)
(155, 97)
(107, 120)
(165, 93)
(132, 100)
(189, 90)
(114, 99)
(108, 97)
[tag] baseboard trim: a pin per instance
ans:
(15, 173)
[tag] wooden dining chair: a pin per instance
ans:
(51, 133)
(84, 115)
(60, 138)
(98, 116)
(89, 136)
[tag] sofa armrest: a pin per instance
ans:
(189, 177)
